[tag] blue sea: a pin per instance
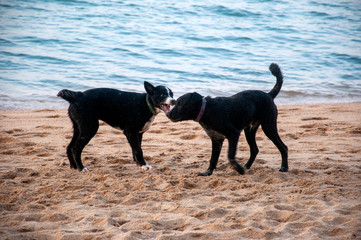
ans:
(216, 48)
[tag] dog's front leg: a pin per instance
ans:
(135, 143)
(140, 137)
(216, 150)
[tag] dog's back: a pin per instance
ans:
(247, 106)
(107, 104)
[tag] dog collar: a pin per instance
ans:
(201, 112)
(150, 106)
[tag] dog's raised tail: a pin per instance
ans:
(276, 71)
(69, 95)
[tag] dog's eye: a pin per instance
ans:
(163, 95)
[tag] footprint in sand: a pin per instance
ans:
(309, 126)
(315, 127)
(28, 144)
(47, 127)
(293, 136)
(314, 118)
(15, 130)
(355, 130)
(45, 110)
(212, 213)
(9, 175)
(283, 216)
(54, 116)
(45, 155)
(9, 152)
(43, 134)
(4, 139)
(285, 207)
(156, 131)
(189, 137)
(175, 132)
(117, 222)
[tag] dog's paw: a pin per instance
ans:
(86, 169)
(146, 167)
(236, 166)
(283, 169)
(205, 174)
(240, 169)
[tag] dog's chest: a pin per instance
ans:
(212, 133)
(147, 125)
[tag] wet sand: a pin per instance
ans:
(319, 198)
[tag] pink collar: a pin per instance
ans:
(200, 114)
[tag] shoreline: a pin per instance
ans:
(319, 198)
(57, 104)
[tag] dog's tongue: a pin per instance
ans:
(165, 108)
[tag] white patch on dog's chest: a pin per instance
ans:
(212, 133)
(147, 125)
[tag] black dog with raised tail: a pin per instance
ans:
(226, 117)
(128, 111)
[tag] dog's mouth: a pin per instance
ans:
(165, 107)
(171, 116)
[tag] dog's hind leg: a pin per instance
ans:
(87, 129)
(140, 138)
(232, 147)
(270, 129)
(250, 133)
(216, 150)
(69, 149)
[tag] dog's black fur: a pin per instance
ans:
(127, 111)
(226, 117)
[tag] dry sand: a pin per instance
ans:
(320, 198)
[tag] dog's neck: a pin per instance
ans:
(201, 111)
(151, 108)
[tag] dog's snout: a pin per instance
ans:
(172, 102)
(169, 114)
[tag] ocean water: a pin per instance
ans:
(216, 48)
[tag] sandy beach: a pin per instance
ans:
(319, 198)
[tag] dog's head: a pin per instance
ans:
(186, 107)
(161, 96)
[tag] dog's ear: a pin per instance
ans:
(195, 97)
(149, 88)
(170, 93)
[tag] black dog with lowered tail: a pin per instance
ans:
(128, 111)
(226, 117)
